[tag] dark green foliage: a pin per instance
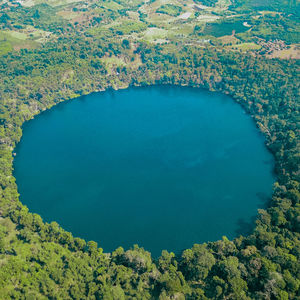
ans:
(41, 16)
(207, 2)
(277, 27)
(286, 6)
(222, 28)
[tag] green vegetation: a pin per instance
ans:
(207, 2)
(5, 47)
(128, 28)
(43, 261)
(287, 6)
(170, 9)
(271, 27)
(40, 16)
(222, 28)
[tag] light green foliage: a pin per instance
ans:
(170, 9)
(197, 262)
(128, 27)
(5, 47)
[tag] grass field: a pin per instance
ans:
(156, 21)
(246, 46)
(292, 53)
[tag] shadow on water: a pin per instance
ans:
(246, 227)
(264, 200)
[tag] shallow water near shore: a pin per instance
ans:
(163, 167)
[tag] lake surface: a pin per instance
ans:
(162, 167)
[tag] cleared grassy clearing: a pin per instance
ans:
(68, 15)
(29, 33)
(292, 53)
(207, 18)
(247, 46)
(17, 35)
(185, 29)
(30, 3)
(11, 40)
(154, 33)
(134, 15)
(156, 21)
(5, 47)
(113, 61)
(185, 16)
(228, 39)
(112, 5)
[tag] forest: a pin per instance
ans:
(41, 260)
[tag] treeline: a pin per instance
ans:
(286, 6)
(42, 261)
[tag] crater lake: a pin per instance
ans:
(163, 167)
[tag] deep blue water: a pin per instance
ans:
(162, 167)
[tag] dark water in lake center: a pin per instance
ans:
(162, 167)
